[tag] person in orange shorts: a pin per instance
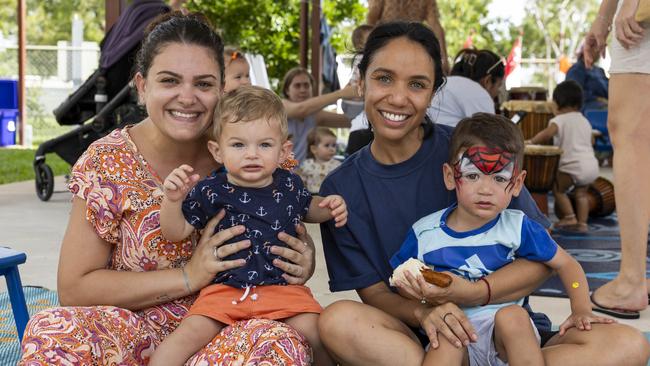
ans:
(249, 137)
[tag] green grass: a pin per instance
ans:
(16, 164)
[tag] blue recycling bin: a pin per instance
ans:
(8, 111)
(8, 125)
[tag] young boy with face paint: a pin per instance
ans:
(479, 235)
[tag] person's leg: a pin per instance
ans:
(514, 337)
(307, 325)
(629, 130)
(92, 335)
(446, 354)
(582, 206)
(562, 184)
(359, 334)
(604, 344)
(255, 342)
(192, 334)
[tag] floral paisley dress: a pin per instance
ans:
(123, 197)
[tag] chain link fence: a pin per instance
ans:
(51, 74)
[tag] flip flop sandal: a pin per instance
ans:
(615, 312)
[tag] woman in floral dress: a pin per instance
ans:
(123, 286)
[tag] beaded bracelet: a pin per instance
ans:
(489, 296)
(187, 280)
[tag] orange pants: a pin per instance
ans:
(221, 303)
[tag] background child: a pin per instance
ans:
(237, 69)
(479, 235)
(250, 139)
(571, 131)
(321, 147)
(352, 107)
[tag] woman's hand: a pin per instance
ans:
(300, 255)
(349, 92)
(595, 42)
(628, 31)
(207, 260)
(449, 320)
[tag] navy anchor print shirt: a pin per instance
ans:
(264, 212)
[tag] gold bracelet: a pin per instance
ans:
(187, 280)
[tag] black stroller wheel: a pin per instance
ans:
(44, 181)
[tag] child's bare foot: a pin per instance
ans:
(578, 228)
(568, 220)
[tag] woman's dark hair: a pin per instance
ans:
(290, 75)
(568, 94)
(477, 64)
(491, 130)
(176, 27)
(413, 31)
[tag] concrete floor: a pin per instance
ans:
(37, 228)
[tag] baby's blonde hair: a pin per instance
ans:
(249, 103)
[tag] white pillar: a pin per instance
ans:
(77, 42)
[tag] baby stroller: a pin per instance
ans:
(104, 101)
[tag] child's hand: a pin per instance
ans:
(179, 182)
(338, 209)
(583, 321)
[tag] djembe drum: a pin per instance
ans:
(601, 198)
(600, 195)
(528, 93)
(541, 163)
(536, 118)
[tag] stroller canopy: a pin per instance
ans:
(129, 29)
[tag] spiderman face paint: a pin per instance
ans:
(485, 181)
(488, 161)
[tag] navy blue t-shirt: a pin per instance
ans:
(264, 212)
(383, 203)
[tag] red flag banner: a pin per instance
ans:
(469, 42)
(514, 58)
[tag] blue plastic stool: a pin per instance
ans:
(9, 261)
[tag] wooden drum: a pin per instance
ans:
(537, 116)
(600, 195)
(528, 93)
(541, 163)
(601, 198)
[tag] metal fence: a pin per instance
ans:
(52, 73)
(60, 62)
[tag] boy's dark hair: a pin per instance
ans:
(357, 36)
(568, 94)
(491, 130)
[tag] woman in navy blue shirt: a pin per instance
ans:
(391, 183)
